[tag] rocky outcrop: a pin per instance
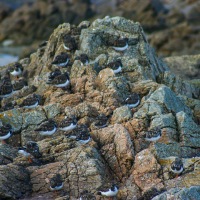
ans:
(179, 194)
(119, 152)
(15, 181)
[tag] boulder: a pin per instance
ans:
(117, 153)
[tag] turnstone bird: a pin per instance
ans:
(85, 195)
(101, 121)
(31, 101)
(80, 134)
(109, 192)
(16, 69)
(61, 81)
(132, 100)
(69, 43)
(56, 182)
(6, 89)
(5, 132)
(121, 44)
(83, 58)
(116, 66)
(153, 135)
(18, 85)
(177, 166)
(68, 124)
(77, 30)
(47, 128)
(31, 148)
(61, 60)
(53, 74)
(8, 106)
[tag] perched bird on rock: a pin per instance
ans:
(132, 100)
(69, 43)
(109, 191)
(120, 44)
(153, 135)
(47, 128)
(53, 74)
(19, 84)
(116, 66)
(16, 69)
(83, 58)
(31, 148)
(177, 166)
(80, 134)
(61, 60)
(101, 121)
(61, 81)
(31, 101)
(68, 124)
(6, 131)
(8, 106)
(85, 195)
(56, 182)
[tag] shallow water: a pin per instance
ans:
(6, 59)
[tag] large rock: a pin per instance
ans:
(146, 171)
(119, 152)
(80, 167)
(15, 181)
(180, 194)
(116, 148)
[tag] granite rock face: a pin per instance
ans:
(117, 153)
(180, 194)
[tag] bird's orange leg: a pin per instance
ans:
(30, 160)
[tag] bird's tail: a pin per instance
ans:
(99, 193)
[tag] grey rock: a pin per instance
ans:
(174, 149)
(178, 85)
(166, 120)
(173, 104)
(19, 178)
(7, 154)
(162, 101)
(52, 110)
(189, 130)
(121, 114)
(180, 194)
(167, 150)
(93, 42)
(13, 117)
(33, 117)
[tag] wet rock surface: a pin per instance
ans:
(117, 152)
